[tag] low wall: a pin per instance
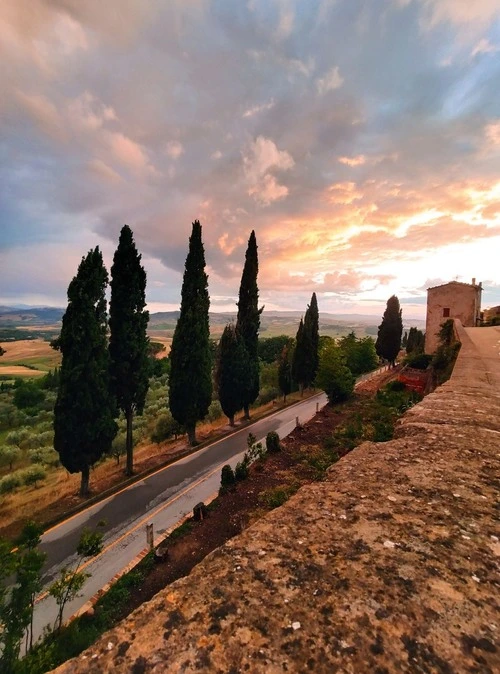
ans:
(387, 566)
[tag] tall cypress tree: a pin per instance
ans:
(128, 344)
(248, 322)
(84, 412)
(231, 369)
(190, 383)
(311, 332)
(299, 362)
(390, 330)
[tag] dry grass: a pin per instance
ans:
(36, 353)
(19, 371)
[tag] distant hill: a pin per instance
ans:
(272, 322)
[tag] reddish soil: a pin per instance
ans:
(244, 504)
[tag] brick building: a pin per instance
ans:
(451, 300)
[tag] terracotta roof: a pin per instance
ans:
(457, 283)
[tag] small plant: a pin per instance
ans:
(273, 442)
(71, 580)
(227, 478)
(241, 470)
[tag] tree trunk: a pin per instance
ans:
(84, 485)
(129, 469)
(231, 420)
(191, 433)
(246, 411)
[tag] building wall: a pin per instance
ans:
(452, 300)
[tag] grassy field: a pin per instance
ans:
(28, 358)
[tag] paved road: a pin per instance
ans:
(163, 499)
(487, 341)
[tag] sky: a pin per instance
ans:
(360, 139)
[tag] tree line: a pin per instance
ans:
(104, 368)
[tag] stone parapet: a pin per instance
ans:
(390, 565)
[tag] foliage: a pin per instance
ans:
(241, 471)
(33, 475)
(227, 478)
(277, 496)
(248, 322)
(418, 360)
(10, 482)
(285, 381)
(71, 579)
(415, 342)
(231, 372)
(266, 395)
(84, 425)
(271, 348)
(28, 395)
(305, 356)
(190, 391)
(390, 330)
(129, 346)
(20, 569)
(334, 377)
(9, 454)
(166, 426)
(214, 411)
(360, 354)
(269, 375)
(446, 353)
(273, 442)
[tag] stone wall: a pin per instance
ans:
(387, 566)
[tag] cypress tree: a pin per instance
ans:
(190, 383)
(248, 322)
(311, 331)
(129, 343)
(231, 369)
(390, 330)
(299, 363)
(285, 372)
(84, 424)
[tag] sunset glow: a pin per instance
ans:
(360, 140)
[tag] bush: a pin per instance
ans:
(10, 483)
(273, 442)
(227, 477)
(241, 470)
(334, 377)
(33, 475)
(165, 427)
(395, 386)
(28, 395)
(277, 496)
(420, 361)
(267, 394)
(9, 454)
(214, 411)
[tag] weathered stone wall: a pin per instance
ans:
(387, 566)
(462, 299)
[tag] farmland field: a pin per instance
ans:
(28, 358)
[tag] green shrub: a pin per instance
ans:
(273, 442)
(10, 482)
(266, 395)
(33, 475)
(227, 477)
(165, 427)
(214, 411)
(277, 496)
(395, 386)
(420, 361)
(241, 470)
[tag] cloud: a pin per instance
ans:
(332, 80)
(174, 149)
(261, 157)
(44, 113)
(358, 160)
(484, 46)
(254, 110)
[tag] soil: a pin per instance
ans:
(240, 507)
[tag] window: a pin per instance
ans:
(446, 312)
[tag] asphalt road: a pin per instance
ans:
(162, 499)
